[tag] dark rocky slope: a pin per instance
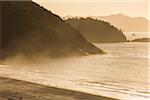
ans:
(97, 30)
(31, 30)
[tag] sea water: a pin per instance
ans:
(120, 73)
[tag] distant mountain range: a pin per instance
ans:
(124, 22)
(32, 31)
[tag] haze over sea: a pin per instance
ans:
(121, 73)
(136, 35)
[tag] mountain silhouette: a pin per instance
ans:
(30, 30)
(126, 23)
(96, 30)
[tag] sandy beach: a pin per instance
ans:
(11, 89)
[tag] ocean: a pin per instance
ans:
(136, 35)
(123, 72)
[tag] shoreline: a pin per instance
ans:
(13, 89)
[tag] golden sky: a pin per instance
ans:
(133, 8)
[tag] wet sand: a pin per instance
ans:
(12, 89)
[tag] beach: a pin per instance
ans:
(115, 74)
(12, 89)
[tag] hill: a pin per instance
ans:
(97, 30)
(126, 23)
(32, 31)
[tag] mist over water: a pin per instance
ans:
(137, 35)
(121, 73)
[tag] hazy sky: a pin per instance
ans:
(132, 8)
